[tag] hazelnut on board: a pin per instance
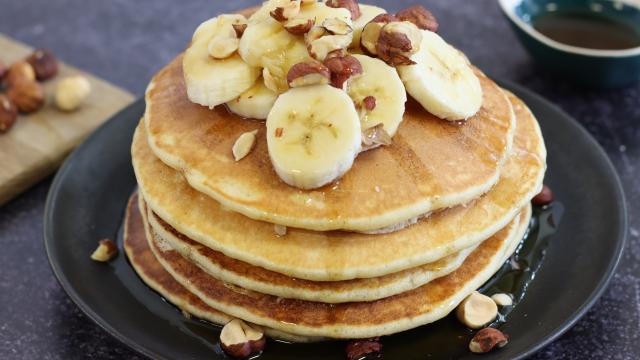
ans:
(244, 144)
(320, 48)
(502, 299)
(28, 95)
(19, 71)
(8, 113)
(71, 92)
(44, 64)
(105, 251)
(351, 5)
(363, 349)
(286, 12)
(420, 16)
(308, 73)
(239, 340)
(488, 339)
(298, 26)
(477, 310)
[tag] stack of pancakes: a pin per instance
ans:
(398, 242)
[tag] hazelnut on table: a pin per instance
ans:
(477, 310)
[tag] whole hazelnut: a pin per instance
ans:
(351, 5)
(8, 113)
(239, 340)
(44, 64)
(19, 71)
(71, 92)
(28, 95)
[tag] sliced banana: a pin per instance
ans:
(367, 13)
(442, 80)
(381, 82)
(321, 12)
(254, 103)
(313, 135)
(211, 82)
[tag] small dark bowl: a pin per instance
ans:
(591, 67)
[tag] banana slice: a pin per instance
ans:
(442, 80)
(254, 103)
(320, 12)
(313, 135)
(211, 82)
(367, 13)
(382, 83)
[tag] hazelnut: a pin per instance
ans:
(361, 349)
(270, 81)
(371, 32)
(351, 5)
(71, 92)
(28, 95)
(308, 73)
(397, 42)
(243, 145)
(299, 26)
(278, 134)
(343, 68)
(487, 339)
(545, 197)
(477, 310)
(105, 251)
(8, 113)
(502, 299)
(239, 29)
(280, 230)
(286, 11)
(239, 340)
(420, 16)
(19, 71)
(320, 48)
(224, 43)
(44, 64)
(336, 26)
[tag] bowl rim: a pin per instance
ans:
(508, 8)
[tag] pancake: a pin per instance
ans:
(339, 255)
(432, 163)
(157, 278)
(401, 312)
(261, 280)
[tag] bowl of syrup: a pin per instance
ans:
(592, 42)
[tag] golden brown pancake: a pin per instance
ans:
(386, 316)
(338, 255)
(156, 277)
(432, 163)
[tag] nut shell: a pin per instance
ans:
(488, 339)
(545, 197)
(44, 64)
(28, 95)
(8, 113)
(71, 92)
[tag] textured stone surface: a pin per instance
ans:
(126, 41)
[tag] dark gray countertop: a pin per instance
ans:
(127, 41)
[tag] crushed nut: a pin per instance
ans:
(375, 136)
(308, 73)
(487, 339)
(371, 32)
(105, 251)
(299, 26)
(287, 11)
(369, 103)
(279, 132)
(240, 341)
(420, 16)
(477, 310)
(244, 144)
(361, 349)
(8, 113)
(270, 81)
(397, 42)
(71, 92)
(44, 64)
(502, 299)
(342, 69)
(239, 29)
(337, 26)
(351, 5)
(19, 71)
(27, 95)
(280, 230)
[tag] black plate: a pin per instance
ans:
(87, 200)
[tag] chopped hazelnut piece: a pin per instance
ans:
(105, 251)
(337, 26)
(286, 11)
(477, 310)
(299, 26)
(502, 299)
(488, 339)
(244, 144)
(420, 16)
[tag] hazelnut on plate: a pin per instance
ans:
(239, 340)
(371, 32)
(308, 73)
(488, 339)
(44, 64)
(8, 113)
(105, 251)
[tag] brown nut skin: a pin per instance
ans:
(342, 69)
(299, 27)
(487, 339)
(351, 5)
(359, 349)
(545, 197)
(308, 73)
(420, 16)
(393, 47)
(239, 29)
(19, 71)
(28, 95)
(44, 64)
(8, 113)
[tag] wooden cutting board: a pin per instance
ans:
(38, 143)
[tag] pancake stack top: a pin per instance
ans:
(351, 212)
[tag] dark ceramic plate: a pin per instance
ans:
(87, 200)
